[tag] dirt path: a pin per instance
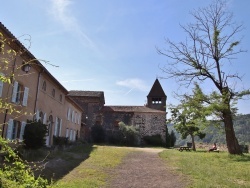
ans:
(145, 169)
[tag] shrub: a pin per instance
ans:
(98, 134)
(154, 140)
(34, 134)
(60, 140)
(129, 134)
(17, 173)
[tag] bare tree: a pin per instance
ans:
(209, 48)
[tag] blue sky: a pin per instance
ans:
(109, 45)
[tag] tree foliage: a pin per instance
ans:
(204, 57)
(189, 117)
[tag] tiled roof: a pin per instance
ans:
(86, 93)
(143, 109)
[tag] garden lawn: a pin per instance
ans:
(93, 172)
(206, 169)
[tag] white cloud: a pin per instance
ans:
(60, 9)
(133, 84)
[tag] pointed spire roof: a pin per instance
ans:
(156, 90)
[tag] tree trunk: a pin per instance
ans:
(193, 144)
(232, 142)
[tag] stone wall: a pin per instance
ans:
(148, 123)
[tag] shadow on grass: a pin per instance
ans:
(240, 158)
(60, 162)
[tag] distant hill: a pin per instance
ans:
(217, 134)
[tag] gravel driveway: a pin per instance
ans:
(145, 169)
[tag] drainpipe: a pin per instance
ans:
(37, 88)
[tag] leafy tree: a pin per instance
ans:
(168, 138)
(204, 57)
(172, 139)
(189, 116)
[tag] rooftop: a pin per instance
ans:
(143, 109)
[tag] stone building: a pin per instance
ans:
(150, 119)
(91, 102)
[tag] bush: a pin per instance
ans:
(129, 135)
(154, 140)
(34, 134)
(98, 134)
(60, 140)
(16, 173)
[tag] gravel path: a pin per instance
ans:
(145, 169)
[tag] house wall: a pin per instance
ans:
(52, 110)
(26, 80)
(61, 115)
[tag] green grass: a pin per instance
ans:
(93, 172)
(205, 169)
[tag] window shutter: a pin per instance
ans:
(10, 129)
(60, 130)
(1, 88)
(56, 127)
(37, 115)
(73, 114)
(14, 93)
(1, 82)
(79, 119)
(70, 136)
(67, 133)
(22, 130)
(69, 110)
(25, 96)
(44, 119)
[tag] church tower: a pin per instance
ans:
(157, 97)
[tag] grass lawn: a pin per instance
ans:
(205, 169)
(93, 172)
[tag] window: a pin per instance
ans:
(44, 86)
(15, 129)
(74, 135)
(60, 97)
(41, 116)
(58, 127)
(19, 94)
(53, 92)
(156, 100)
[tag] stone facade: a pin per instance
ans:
(149, 119)
(91, 102)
